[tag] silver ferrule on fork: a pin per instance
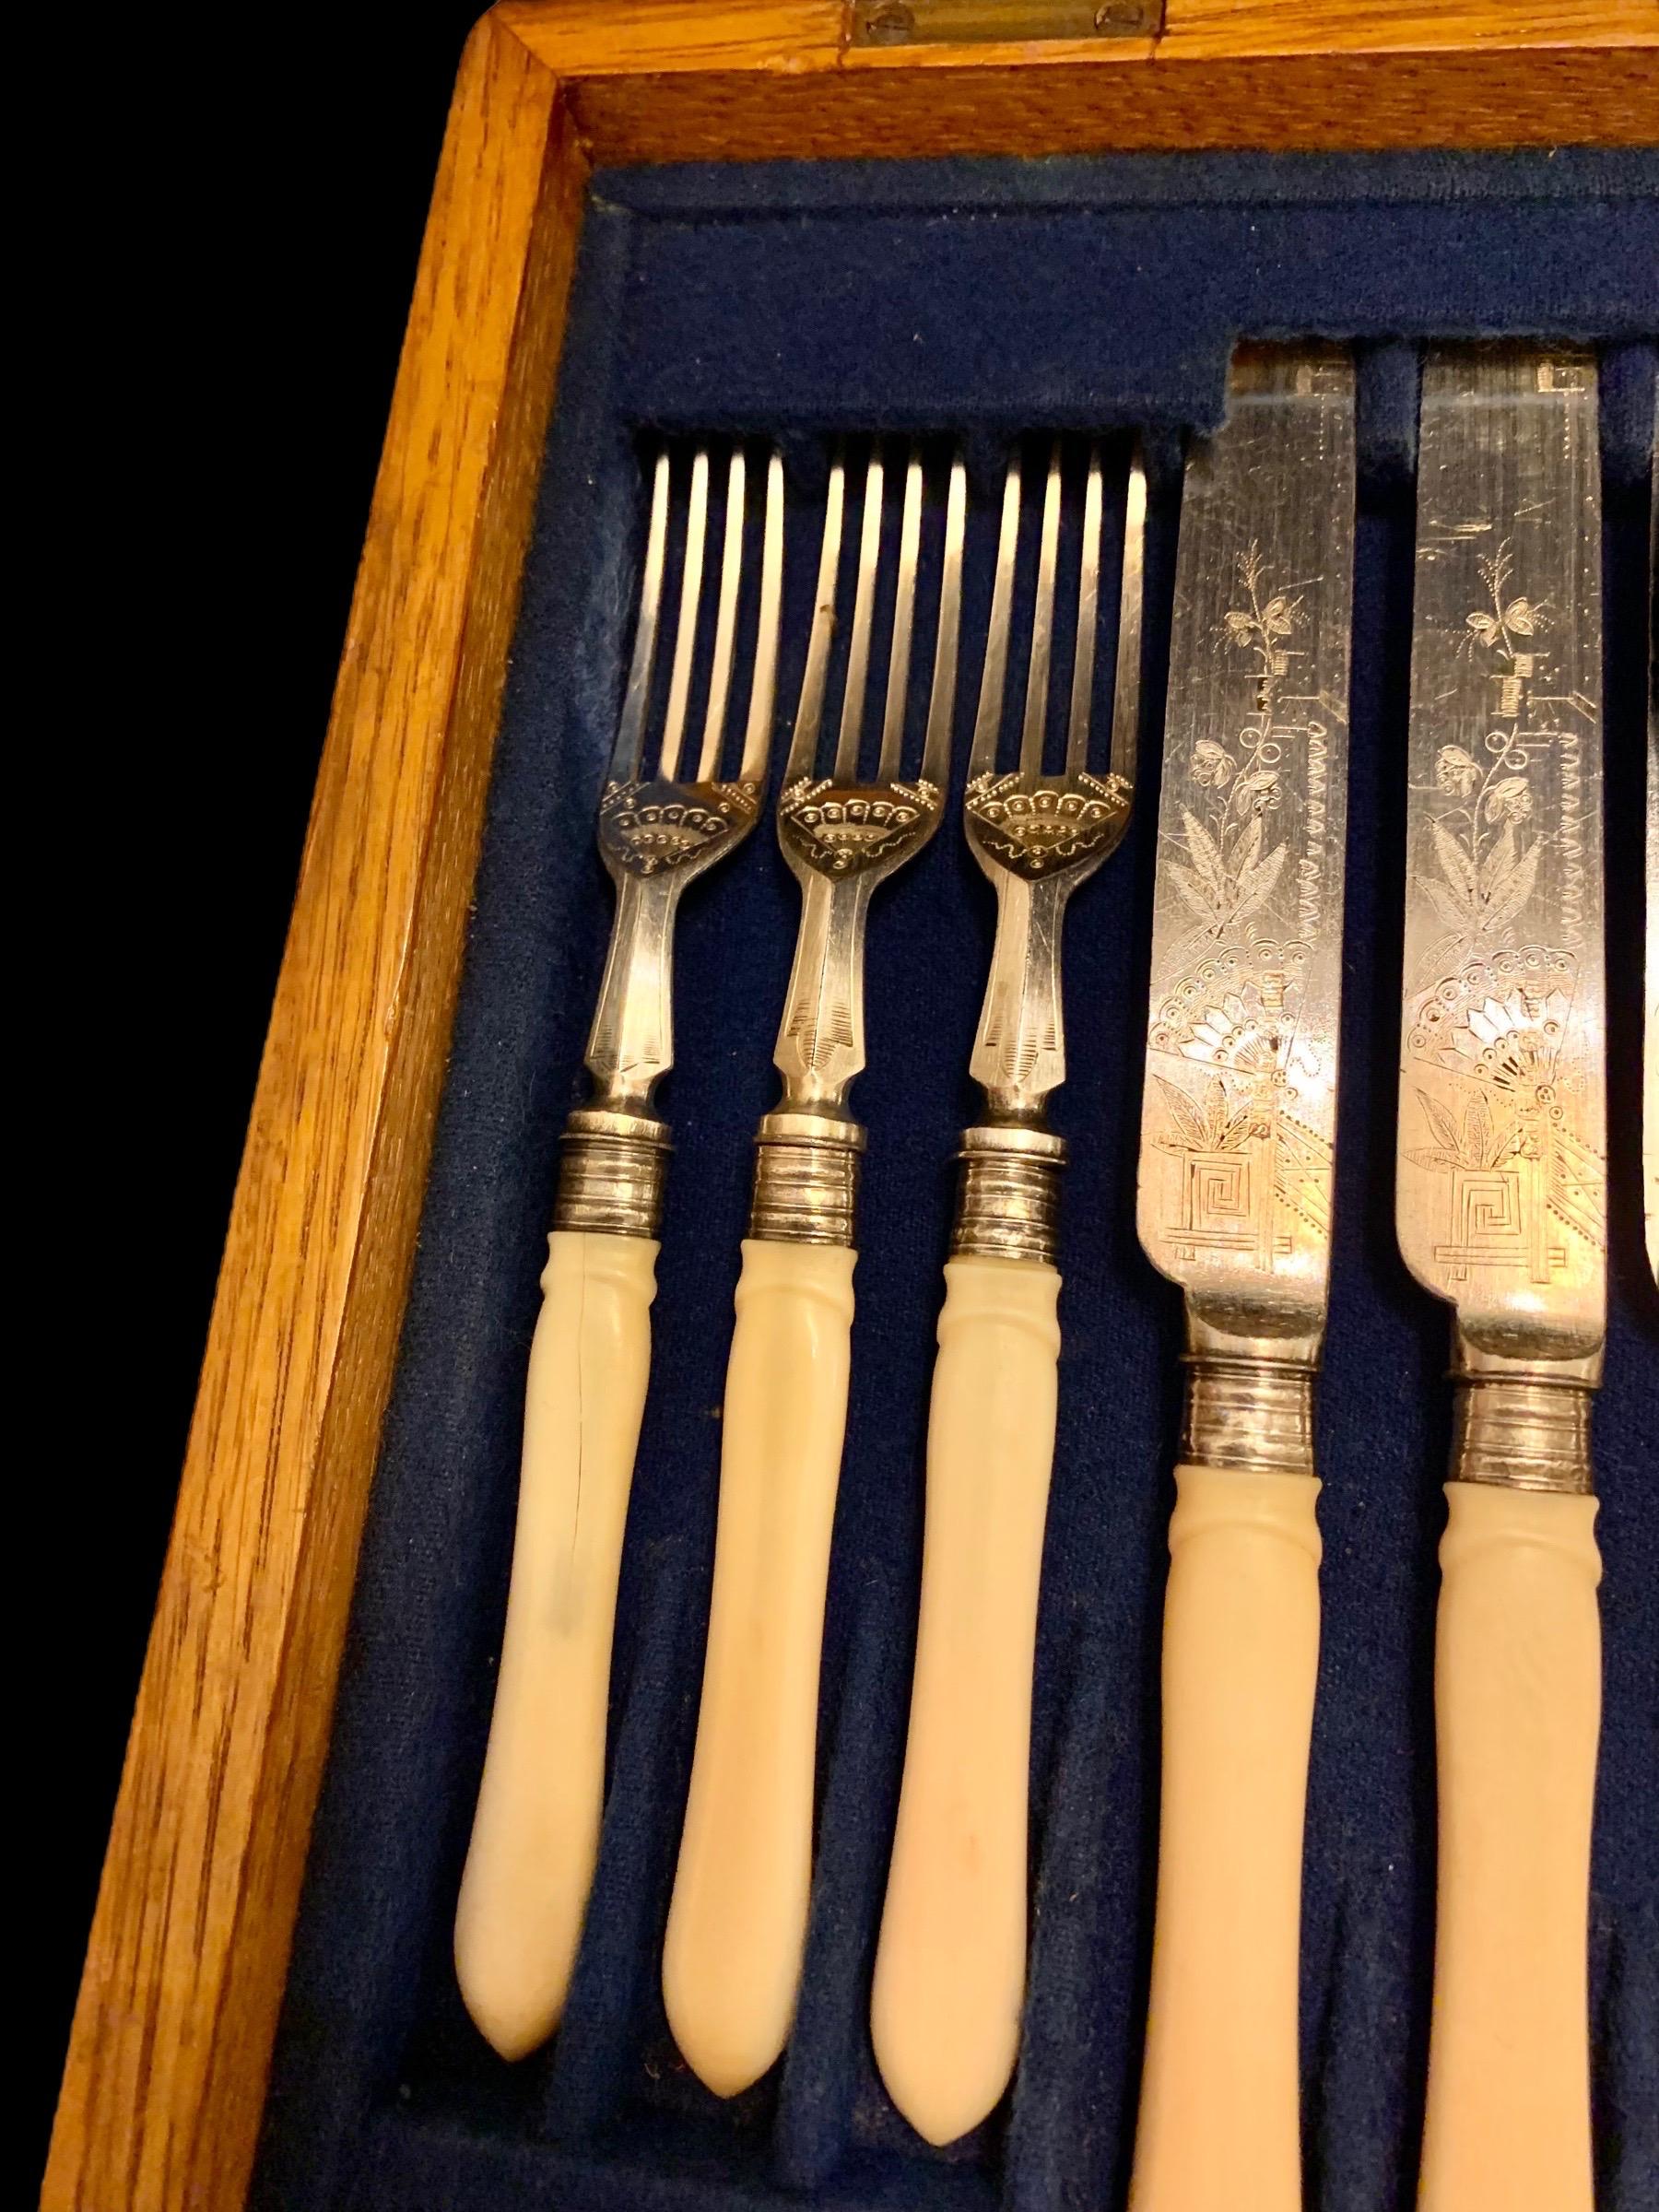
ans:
(841, 835)
(659, 831)
(1037, 835)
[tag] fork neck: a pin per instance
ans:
(630, 1045)
(1020, 1047)
(1008, 1194)
(820, 1045)
(808, 1149)
(615, 1149)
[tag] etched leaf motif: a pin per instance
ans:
(1193, 891)
(1190, 1125)
(1249, 849)
(1434, 1158)
(1506, 899)
(1522, 616)
(1445, 1128)
(1215, 1110)
(1485, 627)
(1256, 886)
(1205, 854)
(1477, 1133)
(1445, 906)
(1239, 625)
(1456, 864)
(1278, 617)
(1498, 861)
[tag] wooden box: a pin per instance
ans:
(162, 2098)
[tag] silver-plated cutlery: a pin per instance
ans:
(1500, 1208)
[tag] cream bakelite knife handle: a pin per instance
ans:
(950, 1965)
(737, 1922)
(1517, 1710)
(536, 1828)
(1220, 2123)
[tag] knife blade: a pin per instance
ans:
(1236, 1139)
(1500, 1211)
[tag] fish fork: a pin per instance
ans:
(536, 1830)
(950, 1963)
(738, 1922)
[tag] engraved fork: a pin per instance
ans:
(950, 1963)
(738, 1922)
(535, 1831)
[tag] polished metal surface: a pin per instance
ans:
(1239, 1118)
(658, 830)
(842, 834)
(1500, 1198)
(970, 22)
(1037, 834)
(1248, 1414)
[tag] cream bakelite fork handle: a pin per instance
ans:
(951, 1966)
(1219, 2117)
(535, 1832)
(1517, 1709)
(738, 1922)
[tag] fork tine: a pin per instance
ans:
(630, 726)
(904, 609)
(685, 642)
(987, 726)
(1042, 629)
(1088, 621)
(809, 713)
(1125, 691)
(763, 688)
(726, 625)
(863, 606)
(941, 703)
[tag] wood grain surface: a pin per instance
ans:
(606, 39)
(1549, 96)
(173, 2032)
(665, 80)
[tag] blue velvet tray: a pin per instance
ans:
(970, 298)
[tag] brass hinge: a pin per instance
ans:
(980, 22)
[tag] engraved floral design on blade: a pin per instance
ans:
(1252, 1172)
(1515, 1184)
(1234, 1189)
(1232, 868)
(1502, 1133)
(1485, 856)
(1250, 1169)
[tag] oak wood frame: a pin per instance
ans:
(172, 2034)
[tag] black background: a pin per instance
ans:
(233, 294)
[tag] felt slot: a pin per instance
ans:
(967, 299)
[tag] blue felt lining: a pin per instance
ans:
(970, 298)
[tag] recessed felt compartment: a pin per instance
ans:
(975, 300)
